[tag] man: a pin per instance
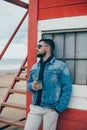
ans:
(50, 83)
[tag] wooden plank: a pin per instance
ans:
(19, 91)
(14, 105)
(65, 11)
(12, 122)
(19, 3)
(20, 78)
(23, 67)
(79, 103)
(55, 3)
(71, 125)
(66, 24)
(74, 115)
(79, 91)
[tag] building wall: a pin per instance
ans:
(73, 118)
(57, 15)
(61, 8)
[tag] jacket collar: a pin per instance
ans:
(49, 61)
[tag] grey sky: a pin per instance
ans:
(10, 16)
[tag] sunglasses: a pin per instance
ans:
(39, 46)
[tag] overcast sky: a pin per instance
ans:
(10, 16)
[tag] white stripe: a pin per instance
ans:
(79, 91)
(63, 23)
(79, 97)
(78, 103)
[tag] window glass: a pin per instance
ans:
(81, 45)
(59, 44)
(70, 64)
(81, 71)
(71, 47)
(47, 36)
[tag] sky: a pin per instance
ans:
(10, 16)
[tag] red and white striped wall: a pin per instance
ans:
(75, 117)
(54, 15)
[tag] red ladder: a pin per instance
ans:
(6, 120)
(11, 91)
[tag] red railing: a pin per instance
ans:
(18, 3)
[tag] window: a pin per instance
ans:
(71, 47)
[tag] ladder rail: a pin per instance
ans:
(18, 3)
(13, 83)
(5, 103)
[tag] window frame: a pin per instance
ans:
(74, 59)
(60, 25)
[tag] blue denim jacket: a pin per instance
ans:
(57, 85)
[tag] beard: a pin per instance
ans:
(41, 55)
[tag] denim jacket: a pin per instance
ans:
(57, 85)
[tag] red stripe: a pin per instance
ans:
(71, 125)
(74, 115)
(72, 119)
(52, 3)
(64, 11)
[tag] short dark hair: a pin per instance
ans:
(49, 42)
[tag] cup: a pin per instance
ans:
(40, 84)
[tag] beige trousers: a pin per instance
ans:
(38, 115)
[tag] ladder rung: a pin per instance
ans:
(20, 78)
(12, 122)
(17, 91)
(14, 105)
(24, 67)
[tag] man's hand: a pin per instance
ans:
(36, 85)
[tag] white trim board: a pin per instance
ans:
(63, 23)
(79, 97)
(78, 103)
(79, 91)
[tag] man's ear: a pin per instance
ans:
(48, 48)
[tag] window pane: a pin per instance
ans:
(69, 45)
(81, 71)
(47, 36)
(59, 42)
(70, 64)
(66, 45)
(81, 45)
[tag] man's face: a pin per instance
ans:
(41, 49)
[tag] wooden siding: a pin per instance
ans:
(72, 119)
(75, 117)
(54, 3)
(60, 8)
(66, 23)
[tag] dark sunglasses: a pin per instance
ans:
(39, 46)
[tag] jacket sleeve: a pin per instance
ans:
(66, 89)
(29, 83)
